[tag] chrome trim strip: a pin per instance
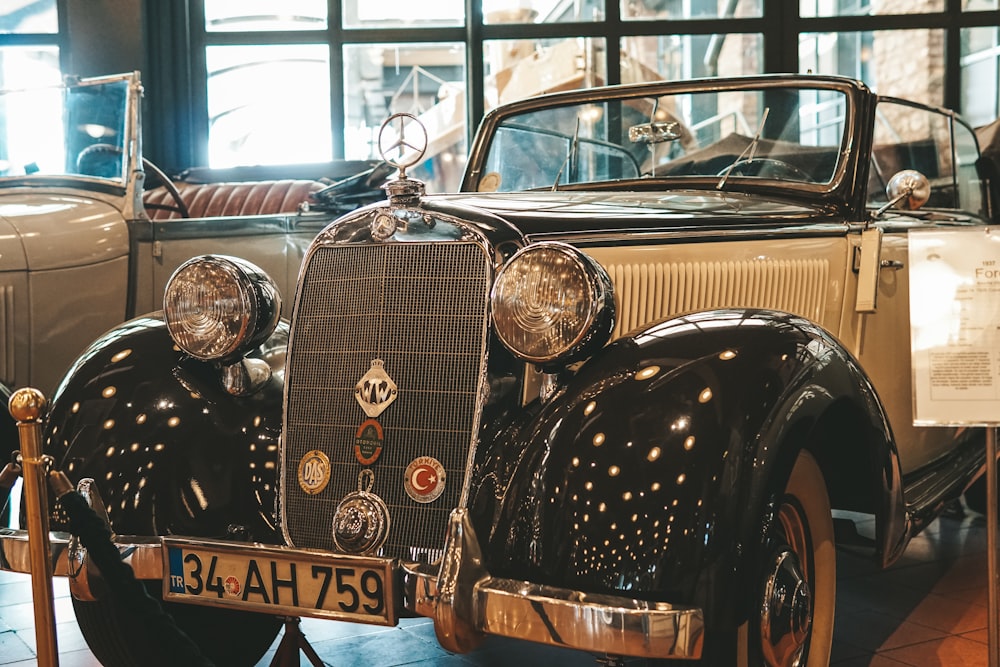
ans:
(570, 619)
(623, 237)
(8, 369)
(598, 623)
(141, 553)
(518, 609)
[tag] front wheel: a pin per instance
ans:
(798, 584)
(118, 638)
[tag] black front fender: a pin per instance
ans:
(653, 472)
(171, 451)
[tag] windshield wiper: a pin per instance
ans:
(751, 149)
(570, 154)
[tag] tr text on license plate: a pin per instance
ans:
(279, 581)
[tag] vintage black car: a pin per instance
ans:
(610, 396)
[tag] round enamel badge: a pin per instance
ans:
(368, 442)
(314, 472)
(424, 480)
(231, 586)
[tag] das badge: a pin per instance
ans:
(314, 472)
(424, 479)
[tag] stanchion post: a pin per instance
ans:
(993, 634)
(27, 406)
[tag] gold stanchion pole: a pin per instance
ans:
(991, 545)
(27, 406)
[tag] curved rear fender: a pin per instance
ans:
(653, 472)
(170, 450)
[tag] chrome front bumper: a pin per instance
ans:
(465, 602)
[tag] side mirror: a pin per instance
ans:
(656, 132)
(907, 190)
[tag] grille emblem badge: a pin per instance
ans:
(314, 472)
(376, 390)
(383, 226)
(368, 442)
(424, 479)
(361, 522)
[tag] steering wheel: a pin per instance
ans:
(171, 188)
(766, 167)
(100, 151)
(102, 160)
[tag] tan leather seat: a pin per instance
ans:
(211, 200)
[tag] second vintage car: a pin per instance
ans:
(609, 397)
(90, 230)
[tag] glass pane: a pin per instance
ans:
(672, 57)
(690, 9)
(703, 134)
(56, 131)
(970, 194)
(912, 138)
(29, 66)
(980, 75)
(542, 11)
(426, 80)
(519, 68)
(29, 16)
(259, 15)
(814, 8)
(901, 63)
(259, 110)
(403, 13)
(31, 125)
(979, 5)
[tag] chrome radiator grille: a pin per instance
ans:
(422, 309)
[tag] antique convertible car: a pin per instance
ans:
(90, 232)
(611, 396)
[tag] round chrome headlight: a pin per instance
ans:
(552, 304)
(218, 307)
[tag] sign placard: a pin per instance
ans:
(955, 326)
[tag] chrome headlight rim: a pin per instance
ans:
(258, 308)
(598, 318)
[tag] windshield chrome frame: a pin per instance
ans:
(128, 183)
(841, 191)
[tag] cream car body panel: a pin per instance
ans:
(275, 243)
(74, 251)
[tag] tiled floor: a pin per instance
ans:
(928, 610)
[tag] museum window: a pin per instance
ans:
(29, 57)
(29, 43)
(312, 80)
(980, 74)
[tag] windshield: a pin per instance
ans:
(66, 130)
(777, 133)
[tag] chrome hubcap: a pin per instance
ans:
(786, 611)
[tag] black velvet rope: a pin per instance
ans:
(94, 534)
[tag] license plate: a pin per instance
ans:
(281, 581)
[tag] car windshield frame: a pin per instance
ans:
(81, 133)
(685, 160)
